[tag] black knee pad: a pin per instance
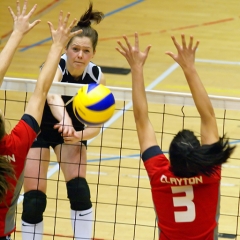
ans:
(79, 194)
(34, 204)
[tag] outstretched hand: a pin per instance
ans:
(21, 21)
(63, 32)
(132, 53)
(186, 53)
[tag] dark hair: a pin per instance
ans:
(2, 128)
(85, 22)
(188, 158)
(6, 173)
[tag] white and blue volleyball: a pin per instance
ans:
(94, 104)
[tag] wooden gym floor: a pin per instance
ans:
(216, 24)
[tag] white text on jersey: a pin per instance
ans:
(10, 158)
(181, 181)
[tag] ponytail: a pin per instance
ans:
(89, 17)
(6, 172)
(188, 158)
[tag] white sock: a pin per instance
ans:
(82, 224)
(32, 231)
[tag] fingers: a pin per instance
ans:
(24, 7)
(124, 50)
(184, 45)
(63, 32)
(175, 42)
(190, 42)
(18, 9)
(50, 26)
(183, 41)
(60, 17)
(121, 45)
(71, 140)
(65, 21)
(32, 11)
(11, 12)
(147, 49)
(68, 140)
(196, 45)
(120, 51)
(57, 126)
(127, 42)
(75, 33)
(65, 130)
(136, 41)
(171, 54)
(73, 23)
(133, 55)
(33, 24)
(19, 13)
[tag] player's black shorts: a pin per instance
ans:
(49, 137)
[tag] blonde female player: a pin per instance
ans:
(61, 130)
(14, 146)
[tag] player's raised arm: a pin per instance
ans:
(60, 37)
(185, 57)
(136, 60)
(21, 26)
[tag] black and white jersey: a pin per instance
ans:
(91, 74)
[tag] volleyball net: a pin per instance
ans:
(120, 189)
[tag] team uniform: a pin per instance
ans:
(50, 136)
(14, 147)
(186, 208)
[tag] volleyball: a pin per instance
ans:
(94, 104)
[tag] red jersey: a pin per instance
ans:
(15, 147)
(186, 208)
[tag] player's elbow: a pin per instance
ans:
(51, 98)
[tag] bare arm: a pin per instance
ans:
(57, 104)
(136, 60)
(20, 28)
(185, 58)
(58, 109)
(60, 37)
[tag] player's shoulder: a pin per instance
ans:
(93, 71)
(62, 62)
(94, 68)
(28, 120)
(151, 152)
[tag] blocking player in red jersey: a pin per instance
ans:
(14, 146)
(185, 188)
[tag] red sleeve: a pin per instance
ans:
(154, 160)
(22, 137)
